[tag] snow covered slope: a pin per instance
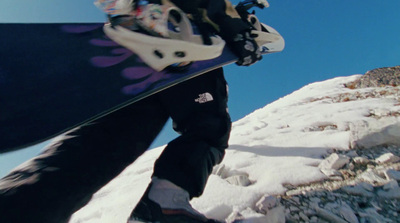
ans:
(280, 144)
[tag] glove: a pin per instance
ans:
(246, 48)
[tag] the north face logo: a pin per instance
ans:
(203, 98)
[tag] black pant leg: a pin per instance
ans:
(198, 108)
(52, 186)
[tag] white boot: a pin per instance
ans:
(165, 202)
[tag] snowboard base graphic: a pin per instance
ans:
(54, 77)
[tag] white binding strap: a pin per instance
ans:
(158, 53)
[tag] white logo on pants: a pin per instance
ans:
(203, 98)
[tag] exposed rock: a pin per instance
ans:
(392, 174)
(275, 215)
(352, 154)
(387, 158)
(390, 190)
(358, 190)
(266, 203)
(232, 176)
(361, 160)
(387, 76)
(234, 216)
(347, 213)
(375, 133)
(331, 172)
(372, 194)
(329, 216)
(239, 180)
(372, 177)
(334, 161)
(371, 215)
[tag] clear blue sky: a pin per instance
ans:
(324, 39)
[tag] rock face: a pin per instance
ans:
(387, 76)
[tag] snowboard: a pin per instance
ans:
(55, 77)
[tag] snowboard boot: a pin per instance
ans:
(164, 202)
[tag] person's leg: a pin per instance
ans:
(198, 108)
(52, 186)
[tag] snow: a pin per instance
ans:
(282, 143)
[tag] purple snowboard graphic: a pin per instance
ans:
(54, 77)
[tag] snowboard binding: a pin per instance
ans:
(260, 31)
(161, 35)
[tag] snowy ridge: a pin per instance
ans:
(279, 145)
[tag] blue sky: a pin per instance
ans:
(324, 39)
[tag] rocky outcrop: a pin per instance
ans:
(387, 76)
(364, 188)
